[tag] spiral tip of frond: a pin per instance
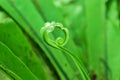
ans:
(50, 27)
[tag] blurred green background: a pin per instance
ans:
(94, 37)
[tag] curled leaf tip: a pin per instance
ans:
(50, 27)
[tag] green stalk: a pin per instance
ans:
(60, 42)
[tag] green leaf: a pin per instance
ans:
(6, 74)
(95, 21)
(14, 38)
(112, 39)
(9, 61)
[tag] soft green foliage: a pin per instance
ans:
(87, 46)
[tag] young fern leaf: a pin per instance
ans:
(48, 28)
(60, 42)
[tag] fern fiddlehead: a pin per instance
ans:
(48, 28)
(60, 42)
